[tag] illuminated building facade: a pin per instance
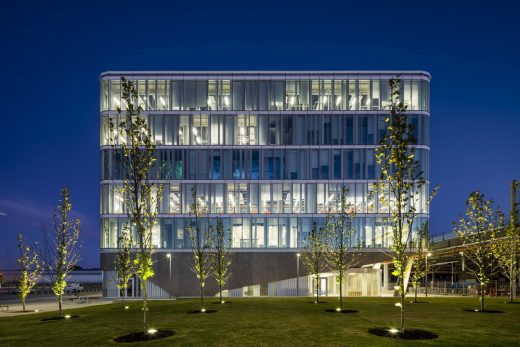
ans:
(268, 152)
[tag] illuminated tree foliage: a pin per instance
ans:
(200, 234)
(399, 188)
(478, 232)
(222, 257)
(124, 262)
(419, 269)
(507, 251)
(62, 248)
(341, 248)
(141, 196)
(30, 268)
(313, 256)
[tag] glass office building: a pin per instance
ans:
(268, 152)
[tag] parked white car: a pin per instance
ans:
(73, 287)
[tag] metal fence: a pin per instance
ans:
(463, 289)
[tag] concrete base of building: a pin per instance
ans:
(174, 276)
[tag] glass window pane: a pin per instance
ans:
(304, 94)
(202, 96)
(189, 95)
(272, 233)
(177, 89)
(258, 232)
(224, 90)
(163, 95)
(152, 97)
(277, 95)
(104, 95)
(364, 95)
(115, 94)
(352, 95)
(263, 95)
(326, 95)
(251, 95)
(376, 95)
(238, 95)
(212, 95)
(265, 198)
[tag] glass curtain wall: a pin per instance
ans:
(268, 95)
(267, 154)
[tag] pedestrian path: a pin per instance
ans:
(48, 306)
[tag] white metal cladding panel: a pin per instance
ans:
(288, 287)
(237, 292)
(252, 290)
(111, 290)
(110, 284)
(154, 291)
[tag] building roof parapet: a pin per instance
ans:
(270, 74)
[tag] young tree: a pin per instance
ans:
(200, 234)
(222, 257)
(400, 186)
(313, 256)
(506, 249)
(341, 248)
(124, 261)
(419, 269)
(477, 230)
(62, 248)
(141, 196)
(30, 269)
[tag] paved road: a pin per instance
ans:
(9, 299)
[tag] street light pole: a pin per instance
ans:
(463, 269)
(426, 277)
(169, 256)
(451, 275)
(298, 274)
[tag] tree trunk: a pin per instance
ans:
(482, 295)
(341, 291)
(415, 300)
(145, 305)
(512, 279)
(220, 291)
(201, 295)
(317, 289)
(403, 293)
(123, 301)
(402, 311)
(23, 303)
(59, 305)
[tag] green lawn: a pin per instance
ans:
(273, 322)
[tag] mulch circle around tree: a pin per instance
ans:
(199, 311)
(333, 310)
(419, 302)
(221, 303)
(409, 334)
(142, 336)
(57, 318)
(484, 311)
(319, 302)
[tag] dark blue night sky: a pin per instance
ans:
(53, 53)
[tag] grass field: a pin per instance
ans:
(272, 322)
